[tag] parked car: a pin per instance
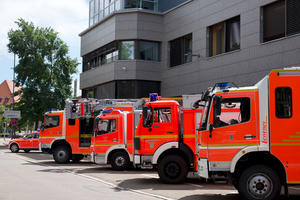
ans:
(27, 143)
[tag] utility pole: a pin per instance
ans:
(13, 94)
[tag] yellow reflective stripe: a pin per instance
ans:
(291, 140)
(189, 136)
(295, 136)
(246, 90)
(107, 144)
(156, 136)
(285, 144)
(85, 135)
(81, 153)
(228, 145)
(298, 133)
(293, 182)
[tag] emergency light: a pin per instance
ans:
(224, 85)
(108, 110)
(154, 97)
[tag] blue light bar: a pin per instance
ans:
(223, 85)
(154, 97)
(108, 110)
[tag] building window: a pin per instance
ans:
(148, 50)
(283, 102)
(102, 8)
(224, 36)
(127, 50)
(281, 19)
(181, 50)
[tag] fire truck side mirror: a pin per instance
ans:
(147, 117)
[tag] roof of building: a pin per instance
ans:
(6, 90)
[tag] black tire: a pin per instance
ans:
(26, 150)
(14, 148)
(77, 157)
(259, 182)
(120, 161)
(172, 169)
(61, 154)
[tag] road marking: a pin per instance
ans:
(98, 180)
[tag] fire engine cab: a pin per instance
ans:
(68, 134)
(255, 144)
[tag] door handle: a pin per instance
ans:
(155, 126)
(170, 132)
(249, 136)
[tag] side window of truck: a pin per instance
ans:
(162, 115)
(233, 111)
(51, 121)
(107, 126)
(283, 102)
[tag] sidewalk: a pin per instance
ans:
(4, 142)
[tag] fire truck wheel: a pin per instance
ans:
(61, 154)
(14, 148)
(259, 182)
(77, 157)
(120, 161)
(172, 169)
(26, 150)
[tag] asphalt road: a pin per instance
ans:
(35, 176)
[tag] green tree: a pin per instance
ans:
(44, 70)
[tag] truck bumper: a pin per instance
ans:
(202, 164)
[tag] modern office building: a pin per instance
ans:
(175, 47)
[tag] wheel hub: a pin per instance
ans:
(61, 154)
(14, 147)
(120, 161)
(172, 169)
(260, 186)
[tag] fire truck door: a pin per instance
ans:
(162, 130)
(109, 133)
(284, 124)
(234, 128)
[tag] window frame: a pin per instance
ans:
(112, 131)
(225, 38)
(291, 103)
(182, 46)
(47, 116)
(157, 109)
(238, 100)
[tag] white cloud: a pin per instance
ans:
(68, 17)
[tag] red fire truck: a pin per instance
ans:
(162, 135)
(67, 134)
(257, 150)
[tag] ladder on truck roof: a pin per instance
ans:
(90, 107)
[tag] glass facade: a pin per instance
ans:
(122, 50)
(102, 8)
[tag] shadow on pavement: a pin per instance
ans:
(156, 184)
(212, 197)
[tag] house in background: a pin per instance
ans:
(6, 92)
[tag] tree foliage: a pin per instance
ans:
(44, 69)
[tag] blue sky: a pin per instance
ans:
(68, 17)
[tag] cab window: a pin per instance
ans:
(51, 121)
(162, 115)
(233, 111)
(283, 102)
(107, 126)
(29, 136)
